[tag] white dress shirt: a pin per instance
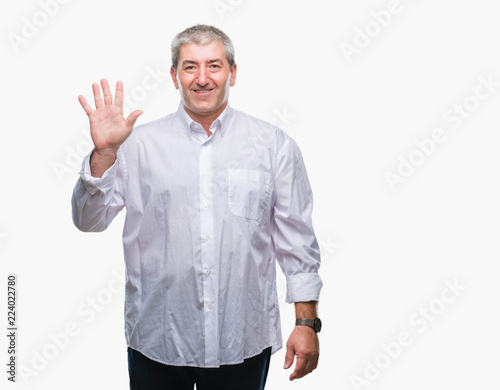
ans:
(207, 216)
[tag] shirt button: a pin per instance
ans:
(210, 306)
(208, 272)
(206, 237)
(205, 204)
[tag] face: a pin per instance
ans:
(203, 78)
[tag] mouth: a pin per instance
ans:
(203, 91)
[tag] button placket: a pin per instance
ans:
(210, 282)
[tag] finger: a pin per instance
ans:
(97, 95)
(119, 94)
(85, 105)
(108, 97)
(299, 371)
(306, 366)
(289, 358)
(133, 117)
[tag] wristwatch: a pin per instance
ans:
(315, 324)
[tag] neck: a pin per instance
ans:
(205, 120)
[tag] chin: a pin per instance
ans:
(206, 107)
(203, 109)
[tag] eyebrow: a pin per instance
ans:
(217, 60)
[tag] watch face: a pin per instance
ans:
(317, 324)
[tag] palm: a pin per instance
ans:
(108, 128)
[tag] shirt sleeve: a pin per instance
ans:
(295, 244)
(97, 201)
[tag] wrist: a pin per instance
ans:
(105, 153)
(314, 324)
(101, 160)
(306, 310)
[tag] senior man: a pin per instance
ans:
(213, 197)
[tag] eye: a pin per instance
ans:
(189, 68)
(214, 66)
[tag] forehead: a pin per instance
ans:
(202, 53)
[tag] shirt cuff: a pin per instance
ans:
(303, 287)
(94, 184)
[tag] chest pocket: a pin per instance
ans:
(249, 192)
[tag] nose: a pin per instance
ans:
(202, 78)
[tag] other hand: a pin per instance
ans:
(303, 343)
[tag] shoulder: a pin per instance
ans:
(267, 130)
(151, 130)
(155, 125)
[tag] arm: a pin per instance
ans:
(297, 252)
(97, 200)
(98, 194)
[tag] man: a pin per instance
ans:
(213, 197)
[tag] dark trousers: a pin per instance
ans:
(146, 374)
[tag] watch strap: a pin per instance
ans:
(315, 324)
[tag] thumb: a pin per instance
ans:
(133, 117)
(289, 357)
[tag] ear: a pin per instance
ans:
(174, 77)
(233, 75)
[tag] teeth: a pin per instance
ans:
(203, 90)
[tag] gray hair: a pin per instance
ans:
(201, 34)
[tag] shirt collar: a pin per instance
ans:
(189, 124)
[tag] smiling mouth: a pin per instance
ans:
(203, 90)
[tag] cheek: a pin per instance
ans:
(183, 82)
(224, 82)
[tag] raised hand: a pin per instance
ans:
(108, 128)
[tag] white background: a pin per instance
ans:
(387, 252)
